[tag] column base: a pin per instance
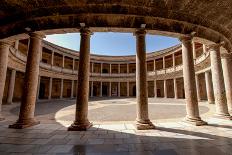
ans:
(76, 126)
(195, 121)
(211, 102)
(223, 116)
(144, 125)
(21, 124)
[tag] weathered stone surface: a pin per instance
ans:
(210, 19)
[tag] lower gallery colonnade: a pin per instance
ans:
(192, 71)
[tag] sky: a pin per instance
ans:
(114, 44)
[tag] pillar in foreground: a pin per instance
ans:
(27, 108)
(143, 121)
(10, 93)
(192, 108)
(81, 118)
(218, 82)
(227, 73)
(4, 51)
(209, 87)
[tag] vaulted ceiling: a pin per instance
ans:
(210, 19)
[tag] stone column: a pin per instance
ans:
(165, 89)
(227, 73)
(154, 65)
(10, 93)
(198, 87)
(52, 61)
(209, 87)
(101, 68)
(73, 64)
(72, 89)
(127, 68)
(100, 89)
(92, 89)
(164, 63)
(38, 88)
(16, 45)
(128, 88)
(63, 61)
(119, 68)
(27, 108)
(110, 69)
(143, 121)
(194, 51)
(81, 118)
(50, 89)
(173, 60)
(155, 91)
(119, 93)
(4, 51)
(193, 116)
(218, 83)
(175, 88)
(61, 88)
(92, 67)
(110, 90)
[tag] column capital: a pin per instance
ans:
(226, 55)
(85, 31)
(215, 46)
(186, 38)
(140, 32)
(38, 35)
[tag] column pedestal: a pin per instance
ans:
(27, 108)
(218, 83)
(192, 116)
(143, 121)
(81, 118)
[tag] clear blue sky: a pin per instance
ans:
(112, 43)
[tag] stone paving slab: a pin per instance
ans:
(117, 138)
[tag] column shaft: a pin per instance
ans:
(218, 83)
(72, 89)
(81, 118)
(198, 87)
(10, 93)
(100, 89)
(227, 73)
(155, 90)
(128, 89)
(91, 88)
(119, 93)
(27, 108)
(110, 90)
(175, 88)
(209, 87)
(165, 89)
(50, 88)
(4, 51)
(61, 88)
(143, 121)
(193, 116)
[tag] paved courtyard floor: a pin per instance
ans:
(113, 132)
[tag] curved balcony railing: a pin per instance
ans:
(46, 66)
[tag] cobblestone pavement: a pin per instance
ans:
(171, 136)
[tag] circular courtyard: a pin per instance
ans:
(115, 110)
